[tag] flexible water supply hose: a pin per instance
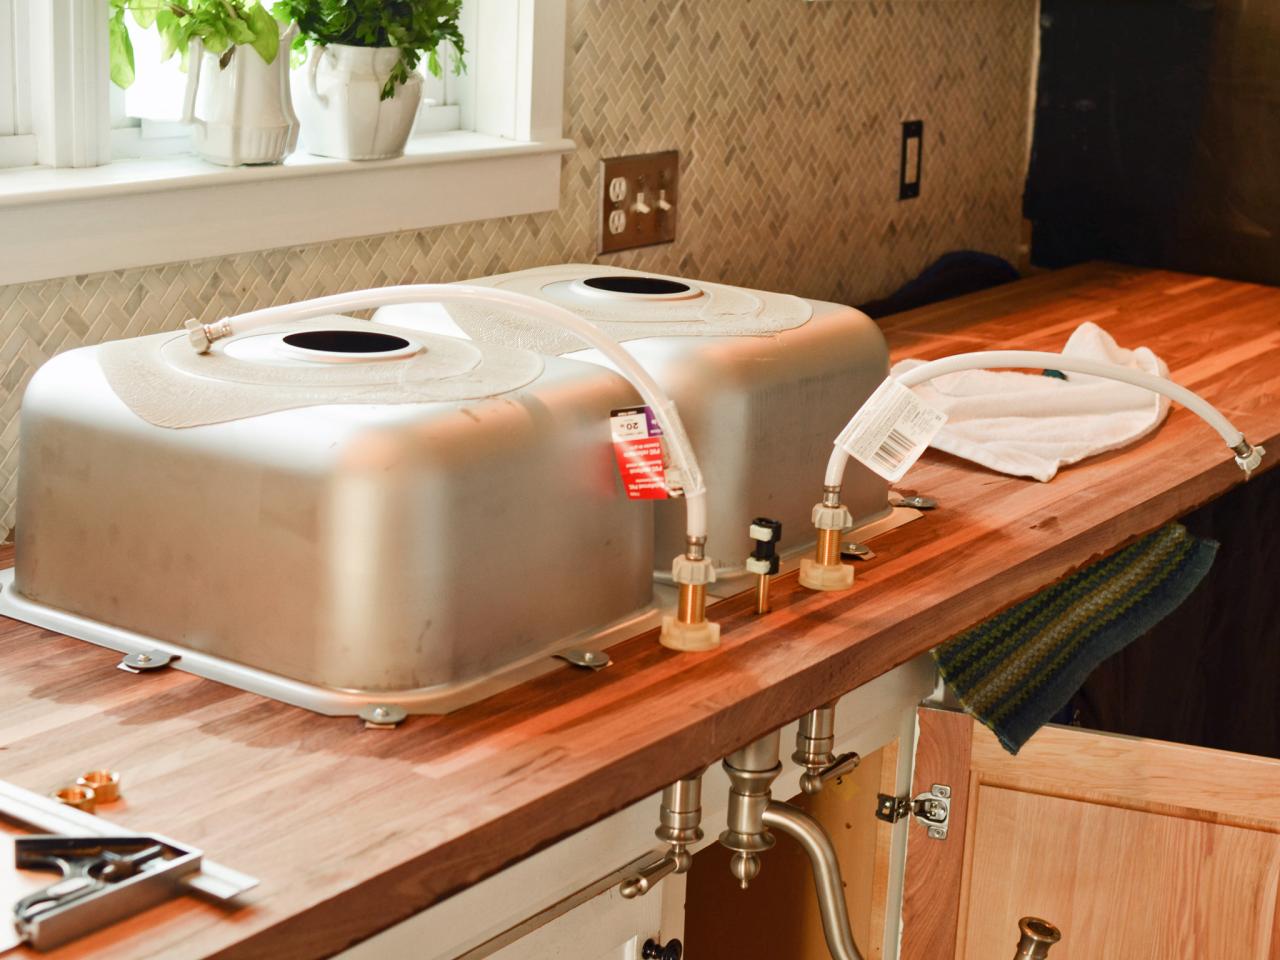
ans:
(689, 475)
(1247, 456)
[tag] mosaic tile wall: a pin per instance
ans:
(787, 115)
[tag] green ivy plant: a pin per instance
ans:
(222, 25)
(415, 26)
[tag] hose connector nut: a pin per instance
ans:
(832, 518)
(201, 335)
(198, 336)
(693, 572)
(1249, 457)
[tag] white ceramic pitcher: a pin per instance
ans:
(243, 113)
(343, 114)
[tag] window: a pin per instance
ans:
(91, 176)
(17, 145)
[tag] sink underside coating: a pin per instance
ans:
(332, 555)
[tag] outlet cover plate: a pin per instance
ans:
(655, 175)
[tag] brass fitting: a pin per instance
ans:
(691, 606)
(826, 571)
(688, 629)
(762, 593)
(105, 785)
(81, 798)
(828, 547)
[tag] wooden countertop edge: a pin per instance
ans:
(487, 850)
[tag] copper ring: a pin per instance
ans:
(105, 785)
(82, 798)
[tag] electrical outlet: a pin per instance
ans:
(912, 150)
(638, 200)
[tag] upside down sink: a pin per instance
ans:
(334, 513)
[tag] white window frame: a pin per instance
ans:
(79, 212)
(17, 143)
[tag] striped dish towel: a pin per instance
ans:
(1018, 669)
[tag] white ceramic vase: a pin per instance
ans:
(339, 98)
(242, 113)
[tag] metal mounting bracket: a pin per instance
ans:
(137, 870)
(932, 810)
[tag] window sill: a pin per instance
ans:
(132, 213)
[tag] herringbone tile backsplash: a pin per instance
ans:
(788, 118)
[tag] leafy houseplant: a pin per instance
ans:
(360, 91)
(221, 26)
(240, 106)
(412, 26)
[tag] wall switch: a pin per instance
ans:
(912, 148)
(639, 199)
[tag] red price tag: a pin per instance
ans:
(637, 445)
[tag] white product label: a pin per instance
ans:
(891, 430)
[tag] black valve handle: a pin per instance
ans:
(767, 549)
(674, 950)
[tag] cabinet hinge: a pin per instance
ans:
(932, 809)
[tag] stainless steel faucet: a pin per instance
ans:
(753, 812)
(815, 745)
(679, 826)
(1036, 937)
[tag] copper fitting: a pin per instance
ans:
(105, 785)
(829, 547)
(82, 798)
(762, 593)
(691, 606)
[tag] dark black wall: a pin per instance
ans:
(1209, 674)
(1157, 135)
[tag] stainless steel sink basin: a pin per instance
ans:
(763, 382)
(335, 553)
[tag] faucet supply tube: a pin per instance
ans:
(831, 517)
(826, 875)
(1247, 456)
(689, 476)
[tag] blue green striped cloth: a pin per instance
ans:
(1018, 669)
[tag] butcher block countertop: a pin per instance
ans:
(352, 830)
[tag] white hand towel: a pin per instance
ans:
(1029, 425)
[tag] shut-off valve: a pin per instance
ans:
(766, 534)
(679, 827)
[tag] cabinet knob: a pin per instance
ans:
(653, 950)
(1037, 937)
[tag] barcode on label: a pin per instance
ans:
(891, 430)
(893, 451)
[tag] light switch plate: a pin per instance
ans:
(652, 180)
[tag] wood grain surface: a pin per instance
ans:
(935, 868)
(1133, 848)
(352, 830)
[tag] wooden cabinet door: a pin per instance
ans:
(1135, 849)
